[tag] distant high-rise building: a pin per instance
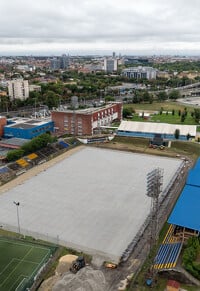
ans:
(60, 63)
(110, 65)
(18, 89)
(55, 64)
(64, 62)
(140, 73)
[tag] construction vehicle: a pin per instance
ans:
(78, 264)
(110, 265)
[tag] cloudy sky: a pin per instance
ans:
(92, 26)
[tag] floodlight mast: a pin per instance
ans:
(154, 189)
(17, 205)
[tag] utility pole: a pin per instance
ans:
(17, 205)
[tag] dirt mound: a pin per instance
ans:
(86, 279)
(63, 266)
(65, 263)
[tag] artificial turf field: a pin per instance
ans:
(19, 263)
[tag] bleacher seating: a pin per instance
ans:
(168, 253)
(23, 163)
(14, 166)
(63, 144)
(32, 156)
(5, 174)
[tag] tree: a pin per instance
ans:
(51, 99)
(147, 97)
(183, 117)
(109, 98)
(196, 114)
(174, 94)
(177, 133)
(37, 143)
(162, 96)
(127, 112)
(14, 155)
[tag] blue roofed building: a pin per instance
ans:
(150, 129)
(186, 212)
(27, 128)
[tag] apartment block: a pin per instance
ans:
(84, 122)
(18, 89)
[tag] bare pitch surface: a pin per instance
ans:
(20, 263)
(94, 200)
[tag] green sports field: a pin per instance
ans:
(19, 263)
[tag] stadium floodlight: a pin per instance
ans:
(154, 189)
(17, 205)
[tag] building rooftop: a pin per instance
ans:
(153, 127)
(25, 123)
(13, 142)
(186, 212)
(86, 110)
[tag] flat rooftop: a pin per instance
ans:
(94, 200)
(86, 111)
(26, 123)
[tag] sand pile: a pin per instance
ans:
(86, 279)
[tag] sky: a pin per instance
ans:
(99, 26)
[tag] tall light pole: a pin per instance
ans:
(17, 205)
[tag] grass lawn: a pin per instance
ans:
(164, 117)
(156, 106)
(20, 262)
(173, 119)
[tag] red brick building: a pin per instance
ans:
(85, 121)
(3, 122)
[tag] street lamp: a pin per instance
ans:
(17, 205)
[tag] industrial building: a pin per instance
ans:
(93, 201)
(140, 73)
(150, 129)
(27, 128)
(85, 121)
(18, 89)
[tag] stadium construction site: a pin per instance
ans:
(92, 201)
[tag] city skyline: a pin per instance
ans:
(93, 27)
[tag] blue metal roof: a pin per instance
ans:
(193, 177)
(197, 165)
(186, 212)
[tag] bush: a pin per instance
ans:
(190, 255)
(14, 155)
(35, 144)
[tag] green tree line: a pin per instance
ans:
(35, 144)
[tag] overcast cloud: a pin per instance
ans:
(51, 26)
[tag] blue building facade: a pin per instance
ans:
(149, 135)
(27, 129)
